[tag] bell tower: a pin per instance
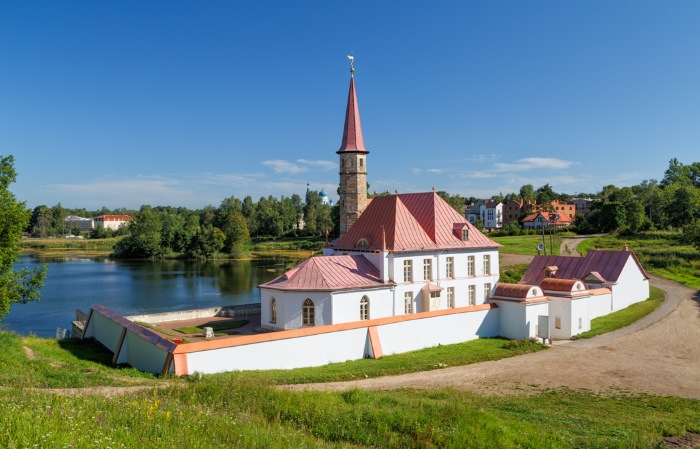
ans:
(353, 163)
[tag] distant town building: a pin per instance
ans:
(515, 209)
(75, 222)
(489, 212)
(541, 220)
(113, 222)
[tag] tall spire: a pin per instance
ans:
(352, 131)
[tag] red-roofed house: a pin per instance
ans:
(400, 254)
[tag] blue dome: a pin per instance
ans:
(322, 193)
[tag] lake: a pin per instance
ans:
(134, 287)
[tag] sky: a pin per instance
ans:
(180, 103)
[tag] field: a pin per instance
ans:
(64, 247)
(527, 244)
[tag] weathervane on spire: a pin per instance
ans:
(351, 57)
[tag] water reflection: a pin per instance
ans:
(134, 287)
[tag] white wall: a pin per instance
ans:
(518, 321)
(631, 286)
(289, 306)
(342, 345)
(314, 350)
(138, 353)
(346, 305)
(560, 308)
(599, 305)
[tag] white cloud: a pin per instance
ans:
(534, 163)
(319, 164)
(300, 166)
(282, 166)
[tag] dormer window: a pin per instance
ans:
(550, 272)
(465, 234)
(362, 243)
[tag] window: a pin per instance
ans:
(362, 162)
(428, 269)
(487, 292)
(362, 243)
(557, 323)
(450, 267)
(408, 271)
(273, 310)
(364, 308)
(470, 266)
(472, 295)
(408, 302)
(580, 323)
(450, 297)
(308, 312)
(487, 264)
(465, 234)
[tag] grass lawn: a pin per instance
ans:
(215, 325)
(624, 317)
(439, 357)
(662, 253)
(512, 274)
(526, 244)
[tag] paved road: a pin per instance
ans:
(659, 354)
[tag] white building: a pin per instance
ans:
(76, 222)
(113, 222)
(407, 253)
(489, 212)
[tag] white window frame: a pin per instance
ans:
(364, 308)
(470, 266)
(408, 302)
(472, 295)
(273, 310)
(428, 269)
(308, 313)
(450, 297)
(487, 264)
(408, 271)
(450, 267)
(487, 292)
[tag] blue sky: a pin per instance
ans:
(120, 104)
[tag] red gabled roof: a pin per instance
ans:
(352, 130)
(608, 264)
(411, 222)
(328, 273)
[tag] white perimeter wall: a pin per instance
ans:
(343, 345)
(519, 321)
(631, 286)
(599, 305)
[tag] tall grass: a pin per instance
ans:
(216, 412)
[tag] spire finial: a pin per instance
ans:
(351, 57)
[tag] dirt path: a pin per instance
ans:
(658, 354)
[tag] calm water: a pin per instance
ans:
(135, 287)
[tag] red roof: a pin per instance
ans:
(519, 291)
(412, 222)
(607, 264)
(558, 285)
(353, 142)
(327, 274)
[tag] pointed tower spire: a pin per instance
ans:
(353, 163)
(352, 131)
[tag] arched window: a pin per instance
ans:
(273, 310)
(308, 311)
(362, 243)
(364, 308)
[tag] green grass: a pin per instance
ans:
(438, 357)
(526, 244)
(68, 363)
(662, 253)
(624, 317)
(511, 274)
(69, 244)
(217, 412)
(215, 325)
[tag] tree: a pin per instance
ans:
(16, 286)
(527, 193)
(692, 233)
